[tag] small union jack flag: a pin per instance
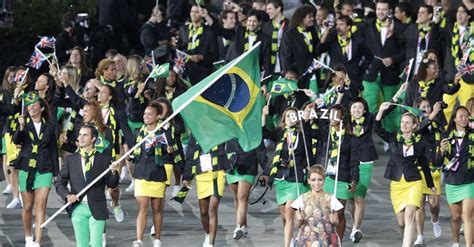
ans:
(180, 61)
(148, 63)
(21, 76)
(36, 60)
(466, 69)
(46, 42)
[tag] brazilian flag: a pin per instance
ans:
(226, 104)
(283, 86)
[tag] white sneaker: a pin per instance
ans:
(29, 241)
(246, 230)
(152, 231)
(455, 245)
(104, 239)
(238, 233)
(14, 204)
(356, 236)
(206, 240)
(36, 244)
(156, 243)
(420, 241)
(137, 243)
(175, 191)
(118, 213)
(131, 187)
(7, 190)
(437, 229)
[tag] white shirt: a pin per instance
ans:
(383, 34)
(37, 128)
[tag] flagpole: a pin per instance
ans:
(411, 62)
(305, 146)
(150, 134)
(292, 148)
(54, 54)
(154, 63)
(334, 197)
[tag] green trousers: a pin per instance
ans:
(87, 230)
(375, 92)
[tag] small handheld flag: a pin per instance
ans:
(46, 41)
(36, 60)
(283, 86)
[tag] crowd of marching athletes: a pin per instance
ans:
(376, 67)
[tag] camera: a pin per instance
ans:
(443, 105)
(340, 89)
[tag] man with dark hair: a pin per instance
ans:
(89, 211)
(200, 43)
(275, 28)
(421, 37)
(403, 12)
(347, 49)
(385, 36)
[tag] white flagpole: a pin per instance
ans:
(292, 148)
(334, 200)
(410, 64)
(150, 134)
(305, 146)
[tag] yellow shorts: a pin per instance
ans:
(169, 172)
(436, 180)
(149, 188)
(205, 184)
(405, 193)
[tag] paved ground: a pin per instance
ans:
(182, 225)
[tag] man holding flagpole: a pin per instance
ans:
(89, 212)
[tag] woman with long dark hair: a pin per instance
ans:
(37, 163)
(427, 83)
(150, 174)
(456, 153)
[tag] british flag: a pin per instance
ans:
(46, 41)
(36, 60)
(21, 76)
(148, 63)
(466, 69)
(180, 61)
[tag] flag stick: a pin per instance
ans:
(305, 146)
(150, 134)
(292, 148)
(22, 106)
(54, 54)
(327, 143)
(338, 156)
(337, 166)
(411, 62)
(269, 98)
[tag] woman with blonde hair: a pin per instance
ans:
(407, 152)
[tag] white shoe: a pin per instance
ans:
(29, 241)
(238, 233)
(455, 245)
(137, 243)
(14, 204)
(420, 241)
(206, 241)
(118, 213)
(156, 243)
(152, 231)
(246, 230)
(131, 187)
(7, 190)
(176, 189)
(386, 147)
(437, 229)
(35, 244)
(104, 239)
